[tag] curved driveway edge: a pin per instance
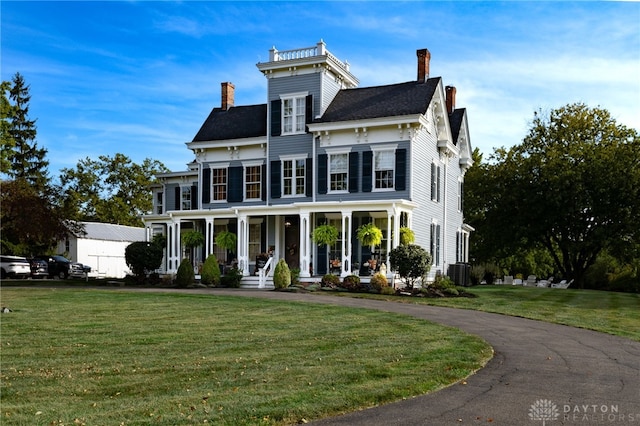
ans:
(541, 374)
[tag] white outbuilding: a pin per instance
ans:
(102, 247)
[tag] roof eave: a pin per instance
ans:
(367, 122)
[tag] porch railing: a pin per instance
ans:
(264, 272)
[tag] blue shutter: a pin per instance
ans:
(353, 171)
(178, 200)
(276, 170)
(235, 185)
(401, 169)
(367, 164)
(322, 174)
(276, 117)
(263, 183)
(308, 179)
(194, 197)
(438, 184)
(308, 110)
(433, 182)
(206, 185)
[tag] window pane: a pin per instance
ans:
(219, 184)
(252, 179)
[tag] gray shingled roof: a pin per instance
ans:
(111, 232)
(400, 99)
(455, 121)
(234, 123)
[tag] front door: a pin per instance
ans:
(292, 241)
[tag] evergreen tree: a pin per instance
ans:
(25, 159)
(8, 143)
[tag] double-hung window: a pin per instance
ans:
(159, 202)
(185, 197)
(253, 182)
(293, 176)
(219, 184)
(435, 243)
(293, 113)
(384, 165)
(338, 171)
(435, 182)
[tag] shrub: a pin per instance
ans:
(232, 278)
(412, 263)
(295, 276)
(330, 280)
(185, 276)
(282, 275)
(442, 282)
(387, 290)
(143, 257)
(379, 281)
(351, 283)
(211, 271)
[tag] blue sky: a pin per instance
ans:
(139, 78)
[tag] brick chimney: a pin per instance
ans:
(227, 95)
(424, 56)
(451, 98)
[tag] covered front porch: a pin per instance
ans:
(284, 232)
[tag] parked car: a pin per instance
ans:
(39, 268)
(61, 267)
(14, 267)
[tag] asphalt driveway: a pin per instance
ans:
(541, 373)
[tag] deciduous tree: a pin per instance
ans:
(110, 189)
(572, 187)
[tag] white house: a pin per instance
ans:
(322, 151)
(102, 247)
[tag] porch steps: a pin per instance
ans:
(253, 282)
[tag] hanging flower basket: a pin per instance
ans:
(325, 235)
(369, 235)
(406, 236)
(192, 239)
(226, 240)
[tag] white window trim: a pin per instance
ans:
(182, 187)
(293, 96)
(438, 195)
(293, 159)
(213, 167)
(375, 150)
(329, 153)
(246, 164)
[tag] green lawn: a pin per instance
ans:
(100, 357)
(605, 311)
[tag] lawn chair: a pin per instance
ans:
(562, 284)
(545, 283)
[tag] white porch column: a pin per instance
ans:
(208, 237)
(243, 244)
(346, 244)
(305, 245)
(173, 246)
(393, 230)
